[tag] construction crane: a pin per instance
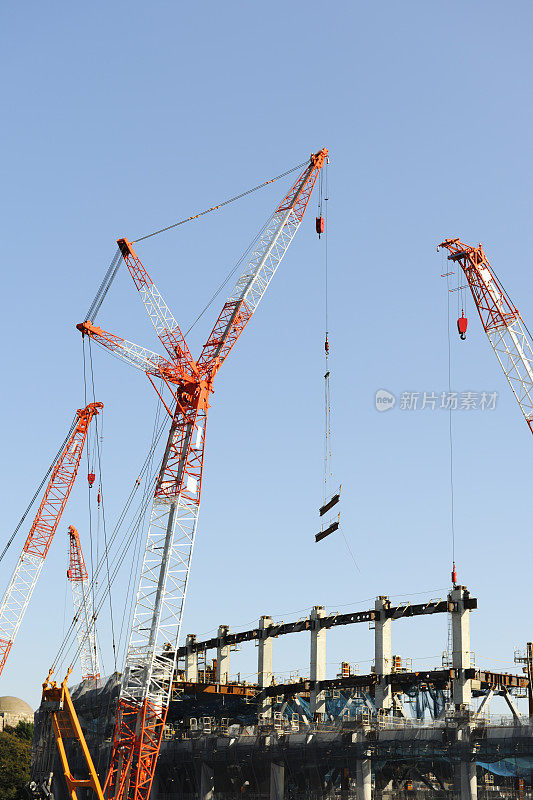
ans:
(501, 320)
(83, 610)
(66, 728)
(150, 658)
(29, 566)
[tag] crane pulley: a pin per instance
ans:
(150, 664)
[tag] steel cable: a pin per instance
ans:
(38, 491)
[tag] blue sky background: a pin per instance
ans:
(123, 117)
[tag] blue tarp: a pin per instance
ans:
(518, 767)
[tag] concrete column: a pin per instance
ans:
(383, 655)
(277, 781)
(468, 780)
(462, 688)
(207, 782)
(191, 660)
(222, 656)
(264, 665)
(363, 778)
(317, 669)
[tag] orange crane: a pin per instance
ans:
(83, 610)
(24, 579)
(501, 320)
(150, 659)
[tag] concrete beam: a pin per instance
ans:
(264, 664)
(383, 654)
(468, 780)
(207, 782)
(191, 659)
(317, 667)
(363, 778)
(222, 675)
(277, 781)
(462, 686)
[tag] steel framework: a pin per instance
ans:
(150, 658)
(83, 609)
(29, 566)
(501, 321)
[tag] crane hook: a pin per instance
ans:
(462, 324)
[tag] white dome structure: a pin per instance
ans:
(14, 710)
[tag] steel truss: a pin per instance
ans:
(501, 321)
(31, 561)
(83, 610)
(151, 653)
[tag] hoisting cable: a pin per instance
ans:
(101, 502)
(130, 591)
(327, 394)
(450, 429)
(39, 488)
(103, 289)
(228, 276)
(116, 564)
(118, 558)
(113, 268)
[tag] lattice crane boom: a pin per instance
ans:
(501, 321)
(24, 579)
(165, 325)
(150, 657)
(83, 609)
(260, 269)
(139, 357)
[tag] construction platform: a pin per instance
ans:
(392, 733)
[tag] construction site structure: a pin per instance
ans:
(83, 609)
(30, 563)
(394, 732)
(149, 666)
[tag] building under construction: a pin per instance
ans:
(174, 724)
(392, 733)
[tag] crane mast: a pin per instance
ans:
(150, 658)
(83, 609)
(24, 579)
(501, 320)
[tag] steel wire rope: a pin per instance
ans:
(101, 565)
(128, 605)
(89, 470)
(39, 488)
(98, 452)
(220, 205)
(116, 565)
(229, 275)
(450, 426)
(114, 266)
(111, 542)
(67, 645)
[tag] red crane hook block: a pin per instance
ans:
(462, 324)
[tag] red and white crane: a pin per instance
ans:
(18, 594)
(501, 320)
(83, 610)
(150, 659)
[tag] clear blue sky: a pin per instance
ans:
(122, 117)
